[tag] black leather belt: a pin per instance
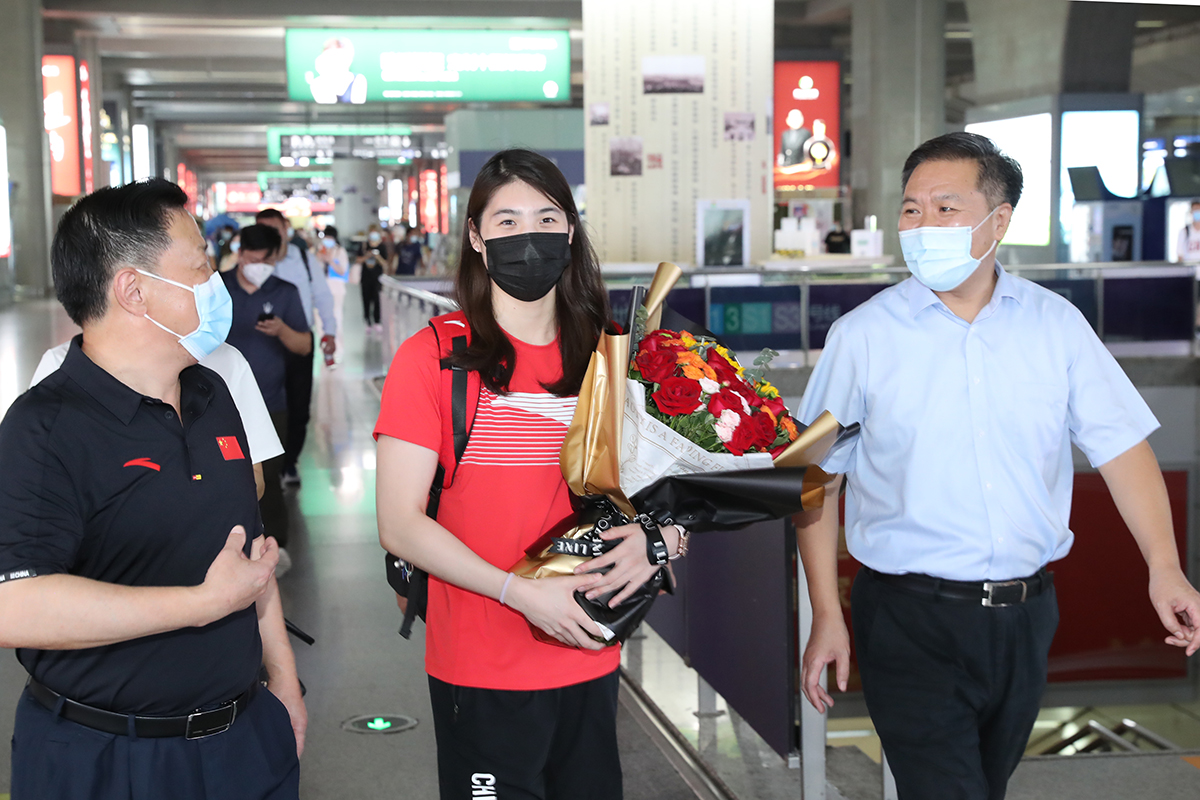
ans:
(992, 594)
(196, 725)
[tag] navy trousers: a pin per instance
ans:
(55, 759)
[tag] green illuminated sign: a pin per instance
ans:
(379, 724)
(361, 66)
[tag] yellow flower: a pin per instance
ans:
(687, 339)
(765, 389)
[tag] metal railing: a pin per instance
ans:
(405, 309)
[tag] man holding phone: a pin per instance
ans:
(269, 324)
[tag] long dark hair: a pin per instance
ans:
(581, 302)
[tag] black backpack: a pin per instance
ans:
(407, 580)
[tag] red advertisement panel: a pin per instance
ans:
(60, 107)
(243, 197)
(85, 125)
(1107, 628)
(808, 130)
(429, 201)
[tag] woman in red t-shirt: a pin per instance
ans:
(515, 717)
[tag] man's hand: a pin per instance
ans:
(549, 603)
(288, 692)
(234, 581)
(271, 327)
(1178, 606)
(828, 643)
(328, 344)
(631, 565)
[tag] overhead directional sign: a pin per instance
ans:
(355, 66)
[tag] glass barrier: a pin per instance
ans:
(1139, 308)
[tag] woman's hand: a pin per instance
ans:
(631, 566)
(549, 603)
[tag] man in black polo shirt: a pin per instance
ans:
(136, 600)
(269, 327)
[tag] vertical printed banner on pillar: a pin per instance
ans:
(678, 107)
(61, 108)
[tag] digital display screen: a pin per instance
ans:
(363, 66)
(1108, 140)
(807, 133)
(1028, 140)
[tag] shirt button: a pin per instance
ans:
(171, 415)
(981, 433)
(977, 381)
(1000, 539)
(989, 486)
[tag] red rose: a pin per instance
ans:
(726, 398)
(656, 365)
(776, 405)
(726, 373)
(657, 340)
(756, 431)
(677, 396)
(742, 388)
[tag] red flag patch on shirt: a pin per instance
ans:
(230, 448)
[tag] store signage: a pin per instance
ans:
(807, 124)
(362, 66)
(60, 106)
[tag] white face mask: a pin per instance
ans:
(940, 257)
(257, 273)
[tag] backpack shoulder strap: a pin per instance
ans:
(453, 336)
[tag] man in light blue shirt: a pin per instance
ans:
(970, 385)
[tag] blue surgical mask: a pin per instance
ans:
(214, 307)
(939, 257)
(1196, 216)
(235, 246)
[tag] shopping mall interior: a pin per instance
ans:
(759, 146)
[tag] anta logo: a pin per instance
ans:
(143, 462)
(483, 784)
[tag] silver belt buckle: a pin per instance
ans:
(199, 726)
(991, 586)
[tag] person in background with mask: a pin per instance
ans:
(268, 326)
(294, 264)
(337, 271)
(229, 260)
(137, 587)
(534, 304)
(371, 265)
(970, 385)
(410, 253)
(1188, 246)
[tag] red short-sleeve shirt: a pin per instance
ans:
(507, 492)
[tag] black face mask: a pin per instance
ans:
(527, 266)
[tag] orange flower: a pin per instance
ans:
(699, 368)
(789, 425)
(774, 419)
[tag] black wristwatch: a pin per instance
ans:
(656, 548)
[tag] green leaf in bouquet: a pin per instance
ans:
(699, 427)
(765, 357)
(639, 323)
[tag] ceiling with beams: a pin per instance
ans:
(212, 82)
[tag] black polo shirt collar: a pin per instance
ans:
(195, 389)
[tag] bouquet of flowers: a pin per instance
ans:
(672, 428)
